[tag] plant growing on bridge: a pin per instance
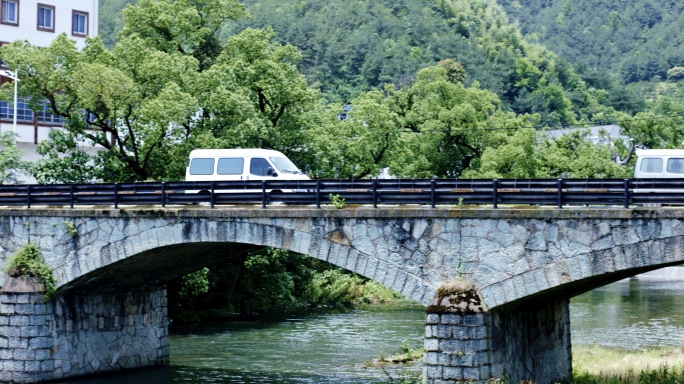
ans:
(28, 261)
(71, 228)
(337, 201)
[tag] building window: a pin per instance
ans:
(10, 12)
(24, 112)
(46, 18)
(46, 117)
(6, 110)
(79, 23)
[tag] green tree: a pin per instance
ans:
(445, 126)
(159, 93)
(359, 146)
(11, 163)
(187, 27)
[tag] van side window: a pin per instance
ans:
(258, 166)
(228, 166)
(675, 165)
(199, 166)
(651, 165)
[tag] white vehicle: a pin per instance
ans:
(240, 164)
(659, 164)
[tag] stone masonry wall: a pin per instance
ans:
(532, 342)
(466, 342)
(24, 338)
(80, 335)
(457, 348)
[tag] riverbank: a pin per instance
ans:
(597, 365)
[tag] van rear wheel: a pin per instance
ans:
(275, 196)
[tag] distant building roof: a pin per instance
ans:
(595, 136)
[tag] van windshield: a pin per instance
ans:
(283, 164)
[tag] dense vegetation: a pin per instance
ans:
(437, 89)
(635, 41)
(268, 281)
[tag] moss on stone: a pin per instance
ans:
(458, 296)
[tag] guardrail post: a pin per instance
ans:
(116, 195)
(28, 196)
(559, 193)
(625, 184)
(318, 193)
(432, 193)
(495, 193)
(263, 193)
(212, 200)
(71, 195)
(163, 194)
(375, 193)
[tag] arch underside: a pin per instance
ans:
(156, 267)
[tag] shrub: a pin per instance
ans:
(28, 261)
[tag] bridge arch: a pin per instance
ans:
(147, 249)
(523, 265)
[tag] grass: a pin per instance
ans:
(599, 365)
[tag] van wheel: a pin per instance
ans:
(276, 193)
(203, 194)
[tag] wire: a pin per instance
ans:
(583, 125)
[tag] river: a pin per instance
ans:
(332, 346)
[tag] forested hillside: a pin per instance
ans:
(636, 40)
(349, 47)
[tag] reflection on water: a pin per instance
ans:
(632, 313)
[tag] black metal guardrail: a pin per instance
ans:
(544, 192)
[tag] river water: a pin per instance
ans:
(331, 346)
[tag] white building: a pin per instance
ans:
(39, 22)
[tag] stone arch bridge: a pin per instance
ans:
(496, 283)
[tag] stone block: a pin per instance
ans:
(472, 374)
(39, 343)
(32, 366)
(443, 331)
(42, 354)
(474, 319)
(452, 346)
(7, 308)
(431, 345)
(432, 358)
(5, 354)
(47, 365)
(430, 331)
(433, 372)
(453, 373)
(18, 343)
(432, 318)
(451, 318)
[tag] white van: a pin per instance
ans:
(659, 164)
(240, 164)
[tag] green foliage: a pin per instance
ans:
(636, 41)
(333, 287)
(268, 281)
(28, 260)
(111, 20)
(11, 163)
(71, 228)
(337, 201)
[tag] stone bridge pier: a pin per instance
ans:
(78, 334)
(464, 341)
